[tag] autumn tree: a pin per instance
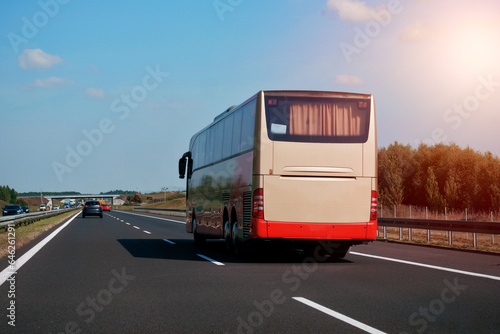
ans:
(433, 197)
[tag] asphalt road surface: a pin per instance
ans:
(130, 273)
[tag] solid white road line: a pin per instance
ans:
(211, 260)
(170, 242)
(428, 266)
(170, 220)
(7, 272)
(339, 316)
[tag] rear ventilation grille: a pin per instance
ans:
(247, 212)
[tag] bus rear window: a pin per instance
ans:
(317, 120)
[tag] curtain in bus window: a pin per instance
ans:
(316, 119)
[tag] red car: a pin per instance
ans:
(106, 207)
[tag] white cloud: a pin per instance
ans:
(37, 59)
(353, 10)
(95, 92)
(414, 32)
(345, 79)
(51, 82)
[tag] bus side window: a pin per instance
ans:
(201, 156)
(247, 130)
(236, 133)
(210, 146)
(218, 137)
(228, 137)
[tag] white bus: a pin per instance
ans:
(297, 166)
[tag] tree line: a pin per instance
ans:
(439, 176)
(10, 195)
(48, 193)
(58, 193)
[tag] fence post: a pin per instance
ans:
(474, 236)
(395, 215)
(492, 236)
(446, 218)
(428, 231)
(410, 234)
(466, 233)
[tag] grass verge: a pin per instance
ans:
(26, 234)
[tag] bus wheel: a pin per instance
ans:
(340, 253)
(234, 240)
(227, 236)
(198, 239)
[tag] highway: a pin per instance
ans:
(140, 273)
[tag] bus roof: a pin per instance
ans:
(291, 93)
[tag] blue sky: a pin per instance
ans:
(125, 84)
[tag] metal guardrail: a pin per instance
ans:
(173, 212)
(442, 225)
(152, 209)
(28, 218)
(450, 226)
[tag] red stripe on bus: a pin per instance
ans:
(291, 230)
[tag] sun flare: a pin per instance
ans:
(477, 48)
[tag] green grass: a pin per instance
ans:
(174, 201)
(25, 234)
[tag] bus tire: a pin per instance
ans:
(234, 240)
(198, 239)
(340, 253)
(227, 236)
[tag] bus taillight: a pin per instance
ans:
(373, 211)
(258, 203)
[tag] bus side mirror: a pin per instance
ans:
(182, 165)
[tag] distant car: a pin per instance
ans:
(25, 209)
(56, 207)
(106, 207)
(12, 209)
(43, 207)
(92, 208)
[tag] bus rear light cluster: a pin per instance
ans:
(373, 210)
(258, 203)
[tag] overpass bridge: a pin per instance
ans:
(111, 198)
(84, 197)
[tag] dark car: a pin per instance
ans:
(12, 209)
(92, 208)
(25, 209)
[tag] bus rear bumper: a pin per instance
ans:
(328, 231)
